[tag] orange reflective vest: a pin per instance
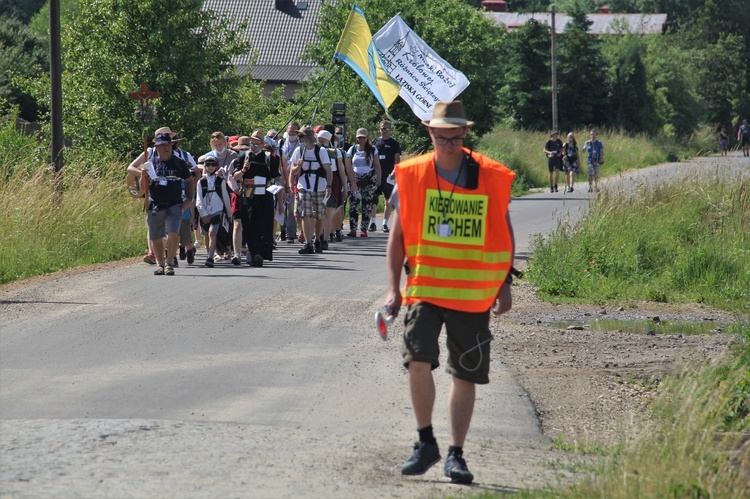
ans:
(463, 271)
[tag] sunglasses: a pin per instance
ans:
(211, 163)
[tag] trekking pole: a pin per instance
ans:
(312, 97)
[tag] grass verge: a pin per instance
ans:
(682, 242)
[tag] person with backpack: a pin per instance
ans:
(259, 171)
(339, 190)
(570, 161)
(166, 172)
(312, 165)
(595, 150)
(240, 214)
(287, 145)
(212, 201)
(743, 137)
(366, 167)
(554, 151)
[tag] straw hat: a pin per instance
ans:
(448, 115)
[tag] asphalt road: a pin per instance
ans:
(284, 359)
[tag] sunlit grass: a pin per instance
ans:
(91, 219)
(683, 242)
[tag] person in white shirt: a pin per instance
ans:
(366, 164)
(311, 164)
(212, 200)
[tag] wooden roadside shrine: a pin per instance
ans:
(146, 115)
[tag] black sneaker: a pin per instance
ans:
(318, 246)
(373, 227)
(236, 259)
(209, 262)
(455, 468)
(339, 238)
(191, 256)
(306, 250)
(182, 252)
(175, 263)
(257, 261)
(324, 244)
(385, 228)
(424, 456)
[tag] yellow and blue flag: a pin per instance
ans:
(357, 50)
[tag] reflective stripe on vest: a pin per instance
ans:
(465, 270)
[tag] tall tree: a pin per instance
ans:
(582, 75)
(180, 51)
(631, 102)
(24, 55)
(722, 79)
(525, 99)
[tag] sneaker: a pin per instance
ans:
(209, 262)
(191, 256)
(373, 227)
(363, 233)
(175, 263)
(385, 228)
(257, 261)
(455, 468)
(339, 238)
(424, 456)
(555, 187)
(169, 270)
(150, 258)
(324, 244)
(236, 259)
(182, 252)
(551, 189)
(159, 270)
(330, 237)
(351, 233)
(318, 246)
(306, 250)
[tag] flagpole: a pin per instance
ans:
(312, 96)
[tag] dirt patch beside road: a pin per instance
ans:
(588, 385)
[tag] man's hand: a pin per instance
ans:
(187, 204)
(503, 301)
(393, 302)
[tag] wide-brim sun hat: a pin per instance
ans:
(448, 115)
(243, 143)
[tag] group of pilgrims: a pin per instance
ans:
(249, 193)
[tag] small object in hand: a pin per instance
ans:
(382, 321)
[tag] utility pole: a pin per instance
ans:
(55, 73)
(554, 70)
